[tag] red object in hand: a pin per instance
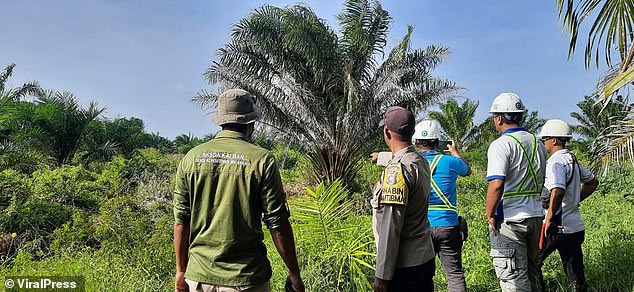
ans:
(542, 236)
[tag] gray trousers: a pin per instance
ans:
(515, 254)
(448, 246)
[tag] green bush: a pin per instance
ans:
(292, 163)
(69, 185)
(121, 221)
(40, 217)
(24, 160)
(126, 243)
(76, 235)
(115, 177)
(151, 160)
(15, 188)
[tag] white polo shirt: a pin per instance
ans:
(507, 161)
(559, 170)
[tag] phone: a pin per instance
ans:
(442, 145)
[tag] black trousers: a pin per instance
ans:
(414, 279)
(448, 247)
(569, 248)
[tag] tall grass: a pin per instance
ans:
(126, 245)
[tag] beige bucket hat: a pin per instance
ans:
(236, 106)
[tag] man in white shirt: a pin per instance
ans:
(515, 171)
(569, 183)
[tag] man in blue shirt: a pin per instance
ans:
(443, 218)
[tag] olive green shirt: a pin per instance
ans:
(224, 189)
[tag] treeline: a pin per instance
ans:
(41, 127)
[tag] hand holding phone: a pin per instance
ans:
(444, 145)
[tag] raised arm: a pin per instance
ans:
(453, 150)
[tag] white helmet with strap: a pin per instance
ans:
(555, 128)
(507, 102)
(427, 130)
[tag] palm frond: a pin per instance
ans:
(326, 92)
(364, 26)
(615, 147)
(323, 208)
(325, 214)
(14, 94)
(612, 27)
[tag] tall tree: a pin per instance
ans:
(14, 94)
(607, 130)
(457, 120)
(595, 119)
(53, 121)
(9, 96)
(613, 27)
(325, 91)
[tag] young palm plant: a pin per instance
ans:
(324, 91)
(328, 229)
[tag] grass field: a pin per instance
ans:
(126, 243)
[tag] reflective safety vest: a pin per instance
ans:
(524, 190)
(447, 204)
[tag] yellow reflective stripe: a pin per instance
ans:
(440, 194)
(530, 159)
(531, 170)
(533, 160)
(441, 208)
(434, 163)
(436, 188)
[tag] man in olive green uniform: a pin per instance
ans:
(224, 189)
(405, 252)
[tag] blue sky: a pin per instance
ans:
(145, 59)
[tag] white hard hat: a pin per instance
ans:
(555, 128)
(507, 102)
(427, 129)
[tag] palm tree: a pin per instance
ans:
(53, 121)
(608, 131)
(96, 145)
(594, 119)
(457, 120)
(532, 122)
(324, 91)
(615, 147)
(14, 94)
(185, 142)
(9, 96)
(613, 27)
(66, 124)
